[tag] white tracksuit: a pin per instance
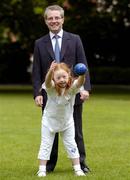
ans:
(58, 117)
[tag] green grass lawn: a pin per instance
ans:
(106, 127)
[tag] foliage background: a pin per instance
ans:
(104, 27)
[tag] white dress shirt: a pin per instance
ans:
(53, 40)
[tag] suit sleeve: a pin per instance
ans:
(81, 58)
(37, 72)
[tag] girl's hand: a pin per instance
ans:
(53, 65)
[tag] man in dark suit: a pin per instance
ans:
(71, 53)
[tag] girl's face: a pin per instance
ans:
(61, 78)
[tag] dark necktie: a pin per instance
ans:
(57, 49)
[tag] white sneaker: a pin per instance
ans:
(79, 173)
(41, 173)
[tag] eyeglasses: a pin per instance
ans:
(54, 18)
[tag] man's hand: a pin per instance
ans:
(84, 95)
(39, 101)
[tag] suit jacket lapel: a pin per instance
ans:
(65, 39)
(49, 46)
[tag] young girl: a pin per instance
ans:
(61, 89)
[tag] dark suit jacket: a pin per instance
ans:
(72, 52)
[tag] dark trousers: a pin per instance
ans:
(78, 137)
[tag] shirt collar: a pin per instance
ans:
(60, 34)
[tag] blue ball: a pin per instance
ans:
(80, 69)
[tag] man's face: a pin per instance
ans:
(54, 21)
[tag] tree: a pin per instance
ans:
(23, 19)
(104, 26)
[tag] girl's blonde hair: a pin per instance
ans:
(68, 70)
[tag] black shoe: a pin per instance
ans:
(50, 168)
(85, 168)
